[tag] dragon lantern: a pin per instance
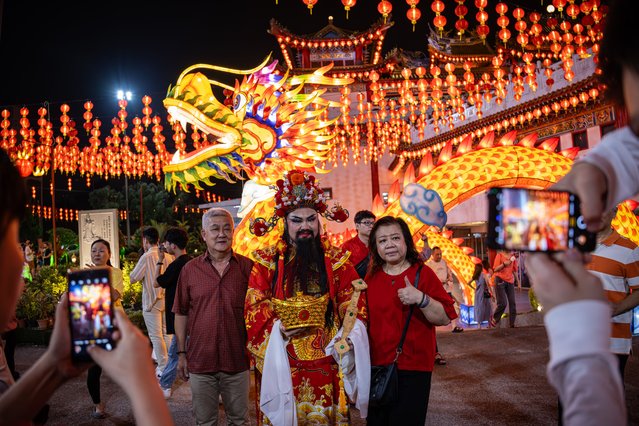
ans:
(275, 124)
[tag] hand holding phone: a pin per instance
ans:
(90, 311)
(536, 220)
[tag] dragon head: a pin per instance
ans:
(275, 124)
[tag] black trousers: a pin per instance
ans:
(412, 406)
(9, 351)
(93, 383)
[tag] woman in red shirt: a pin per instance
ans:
(391, 293)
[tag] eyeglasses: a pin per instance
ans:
(367, 222)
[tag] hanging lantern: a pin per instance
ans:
(146, 110)
(64, 119)
(439, 20)
(520, 26)
(503, 21)
(310, 4)
(559, 5)
(413, 14)
(347, 5)
(88, 115)
(572, 10)
(462, 24)
(482, 16)
(385, 7)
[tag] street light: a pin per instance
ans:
(124, 95)
(121, 94)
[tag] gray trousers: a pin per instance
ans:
(234, 389)
(505, 292)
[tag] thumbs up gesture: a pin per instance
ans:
(408, 294)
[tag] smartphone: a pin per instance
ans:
(536, 220)
(91, 312)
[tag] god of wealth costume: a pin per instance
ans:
(301, 377)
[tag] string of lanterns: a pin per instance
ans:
(589, 8)
(71, 215)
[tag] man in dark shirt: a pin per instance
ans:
(209, 309)
(358, 245)
(175, 241)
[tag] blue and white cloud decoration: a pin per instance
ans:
(425, 204)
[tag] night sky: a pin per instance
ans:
(72, 51)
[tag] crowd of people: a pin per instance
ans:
(314, 329)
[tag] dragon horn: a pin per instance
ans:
(223, 69)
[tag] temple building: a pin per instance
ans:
(412, 110)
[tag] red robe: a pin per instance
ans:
(315, 375)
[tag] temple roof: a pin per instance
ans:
(351, 50)
(330, 31)
(453, 45)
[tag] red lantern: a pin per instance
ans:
(347, 5)
(559, 4)
(413, 15)
(88, 115)
(24, 166)
(461, 25)
(385, 8)
(572, 10)
(503, 21)
(440, 21)
(310, 4)
(146, 100)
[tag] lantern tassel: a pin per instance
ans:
(342, 406)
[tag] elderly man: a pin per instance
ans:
(358, 245)
(209, 324)
(295, 305)
(147, 270)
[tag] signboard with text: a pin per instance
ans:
(98, 224)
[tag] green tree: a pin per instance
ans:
(30, 228)
(195, 246)
(157, 204)
(106, 198)
(66, 237)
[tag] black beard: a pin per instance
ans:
(308, 261)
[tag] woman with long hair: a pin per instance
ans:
(391, 293)
(482, 296)
(101, 257)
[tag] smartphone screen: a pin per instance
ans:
(90, 311)
(536, 220)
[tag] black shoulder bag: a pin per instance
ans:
(384, 377)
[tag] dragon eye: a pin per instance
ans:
(240, 101)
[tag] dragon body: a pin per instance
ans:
(277, 124)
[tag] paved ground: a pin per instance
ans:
(493, 377)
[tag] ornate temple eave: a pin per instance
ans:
(440, 56)
(367, 43)
(355, 38)
(495, 119)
